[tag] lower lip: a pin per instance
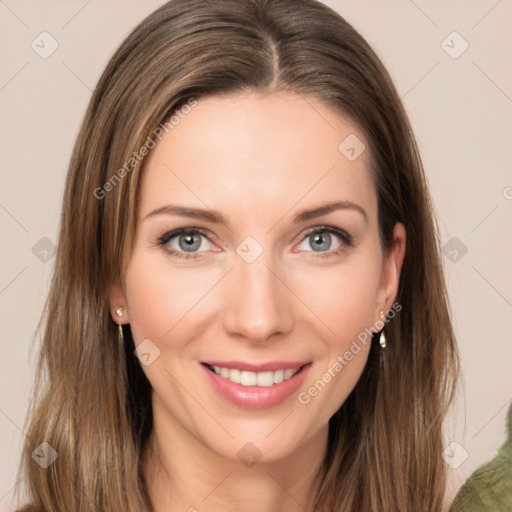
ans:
(256, 397)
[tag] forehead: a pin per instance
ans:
(248, 154)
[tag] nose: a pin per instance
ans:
(258, 302)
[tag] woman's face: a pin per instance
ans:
(262, 283)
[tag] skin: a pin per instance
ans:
(258, 160)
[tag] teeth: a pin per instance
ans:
(233, 375)
(248, 378)
(262, 379)
(288, 374)
(265, 379)
(278, 376)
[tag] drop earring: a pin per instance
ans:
(119, 313)
(382, 337)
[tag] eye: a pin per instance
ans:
(321, 240)
(184, 242)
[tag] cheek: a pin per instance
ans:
(345, 302)
(157, 298)
(342, 297)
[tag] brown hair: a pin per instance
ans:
(92, 402)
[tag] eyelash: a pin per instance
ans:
(347, 241)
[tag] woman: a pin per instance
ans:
(248, 309)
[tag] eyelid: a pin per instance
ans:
(173, 233)
(330, 229)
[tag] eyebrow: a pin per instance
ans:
(216, 217)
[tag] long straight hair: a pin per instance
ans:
(91, 400)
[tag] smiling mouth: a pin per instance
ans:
(248, 378)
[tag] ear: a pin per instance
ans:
(391, 270)
(118, 304)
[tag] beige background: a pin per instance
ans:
(460, 108)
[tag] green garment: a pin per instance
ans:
(489, 488)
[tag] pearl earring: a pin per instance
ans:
(382, 338)
(119, 313)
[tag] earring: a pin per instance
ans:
(119, 313)
(382, 337)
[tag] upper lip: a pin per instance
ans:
(257, 368)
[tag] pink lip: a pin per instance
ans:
(256, 397)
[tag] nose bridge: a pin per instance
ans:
(258, 304)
